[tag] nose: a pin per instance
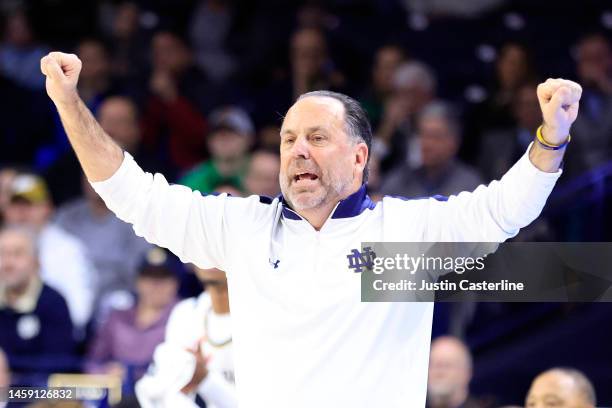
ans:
(300, 148)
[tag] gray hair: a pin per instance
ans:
(442, 110)
(356, 120)
(415, 74)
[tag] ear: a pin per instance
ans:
(361, 156)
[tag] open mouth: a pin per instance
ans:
(304, 176)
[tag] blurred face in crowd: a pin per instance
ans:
(308, 52)
(556, 389)
(156, 292)
(227, 144)
(413, 88)
(594, 60)
(512, 66)
(126, 20)
(262, 177)
(96, 64)
(170, 54)
(320, 164)
(439, 143)
(23, 212)
(18, 32)
(387, 60)
(527, 108)
(450, 372)
(18, 262)
(118, 118)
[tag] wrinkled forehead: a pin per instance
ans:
(314, 112)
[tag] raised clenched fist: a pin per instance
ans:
(559, 100)
(62, 72)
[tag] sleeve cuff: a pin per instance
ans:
(529, 169)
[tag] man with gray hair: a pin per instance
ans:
(302, 335)
(440, 172)
(450, 373)
(561, 387)
(37, 333)
(414, 87)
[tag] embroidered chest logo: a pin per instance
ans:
(274, 263)
(359, 260)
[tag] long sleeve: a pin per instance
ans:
(217, 391)
(495, 212)
(171, 216)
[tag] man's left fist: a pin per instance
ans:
(559, 99)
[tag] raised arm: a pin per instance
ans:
(496, 212)
(172, 216)
(98, 154)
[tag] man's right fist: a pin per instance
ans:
(62, 71)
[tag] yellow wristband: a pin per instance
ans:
(549, 146)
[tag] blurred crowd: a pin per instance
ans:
(197, 90)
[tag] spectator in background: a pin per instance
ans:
(311, 68)
(128, 44)
(209, 30)
(262, 174)
(230, 138)
(501, 148)
(450, 373)
(310, 63)
(513, 68)
(173, 117)
(593, 127)
(111, 243)
(440, 172)
(268, 137)
(196, 357)
(124, 344)
(95, 81)
(20, 53)
(386, 61)
(414, 86)
(37, 332)
(118, 116)
(561, 387)
(64, 263)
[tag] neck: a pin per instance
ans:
(451, 401)
(220, 301)
(317, 216)
(14, 293)
(147, 314)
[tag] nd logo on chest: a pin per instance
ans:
(357, 260)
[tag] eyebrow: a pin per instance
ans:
(310, 130)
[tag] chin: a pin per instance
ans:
(306, 200)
